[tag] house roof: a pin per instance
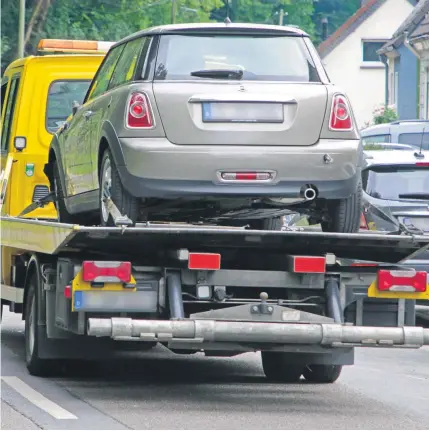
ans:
(368, 8)
(410, 25)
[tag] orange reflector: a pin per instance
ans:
(204, 261)
(62, 45)
(309, 264)
(364, 264)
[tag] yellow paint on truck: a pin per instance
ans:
(33, 90)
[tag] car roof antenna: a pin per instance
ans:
(227, 19)
(420, 155)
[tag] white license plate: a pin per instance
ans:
(245, 112)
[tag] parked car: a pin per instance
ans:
(371, 146)
(396, 190)
(208, 122)
(410, 132)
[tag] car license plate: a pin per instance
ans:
(242, 112)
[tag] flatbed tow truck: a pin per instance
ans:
(304, 299)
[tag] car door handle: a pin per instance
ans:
(88, 114)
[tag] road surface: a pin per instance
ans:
(386, 389)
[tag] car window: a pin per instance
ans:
(104, 73)
(3, 95)
(388, 182)
(9, 111)
(261, 58)
(61, 96)
(415, 139)
(124, 71)
(375, 139)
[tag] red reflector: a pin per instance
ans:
(204, 261)
(106, 272)
(363, 223)
(402, 281)
(67, 292)
(309, 264)
(246, 176)
(364, 264)
(422, 164)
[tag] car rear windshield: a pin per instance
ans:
(261, 58)
(390, 182)
(61, 96)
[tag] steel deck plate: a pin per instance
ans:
(54, 238)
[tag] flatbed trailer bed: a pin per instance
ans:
(304, 299)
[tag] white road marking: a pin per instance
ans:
(37, 398)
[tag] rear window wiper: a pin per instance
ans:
(414, 196)
(218, 73)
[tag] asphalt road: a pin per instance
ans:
(386, 389)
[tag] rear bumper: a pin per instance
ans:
(263, 333)
(158, 168)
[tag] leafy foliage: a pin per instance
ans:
(114, 19)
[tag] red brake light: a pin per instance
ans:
(340, 119)
(105, 272)
(402, 281)
(139, 114)
(309, 264)
(204, 261)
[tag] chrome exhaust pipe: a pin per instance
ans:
(310, 193)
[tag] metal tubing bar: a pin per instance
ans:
(333, 300)
(174, 286)
(258, 332)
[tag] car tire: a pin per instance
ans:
(35, 365)
(322, 373)
(63, 215)
(345, 214)
(109, 177)
(278, 369)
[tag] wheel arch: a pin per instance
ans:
(54, 155)
(109, 140)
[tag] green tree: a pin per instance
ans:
(92, 19)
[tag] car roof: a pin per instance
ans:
(394, 157)
(216, 27)
(403, 124)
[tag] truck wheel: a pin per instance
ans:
(345, 214)
(109, 179)
(277, 369)
(35, 365)
(322, 373)
(63, 215)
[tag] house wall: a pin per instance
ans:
(424, 86)
(365, 83)
(406, 65)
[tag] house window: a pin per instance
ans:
(370, 49)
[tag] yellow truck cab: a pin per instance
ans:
(37, 96)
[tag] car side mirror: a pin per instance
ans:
(75, 107)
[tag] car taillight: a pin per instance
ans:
(340, 119)
(139, 114)
(106, 272)
(402, 281)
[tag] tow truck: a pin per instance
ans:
(304, 299)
